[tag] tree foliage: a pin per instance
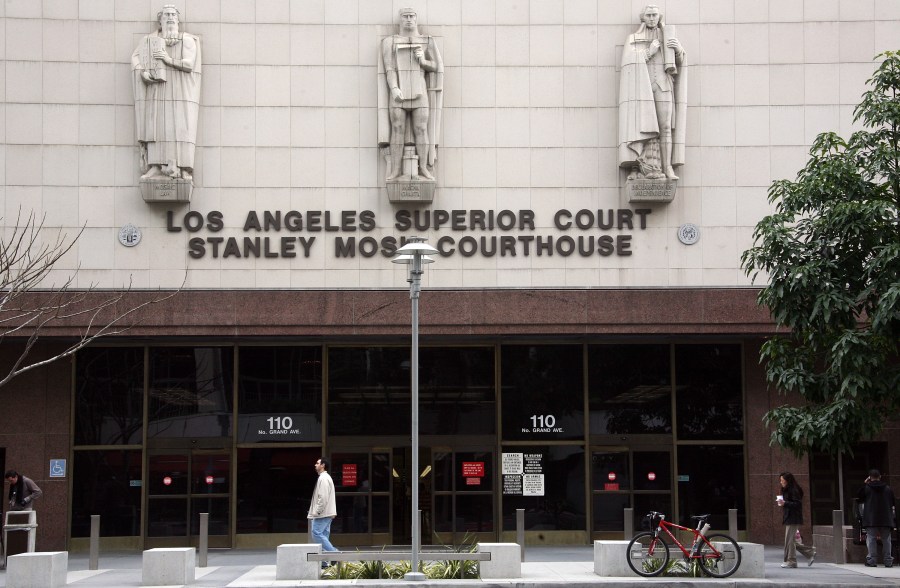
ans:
(31, 304)
(831, 252)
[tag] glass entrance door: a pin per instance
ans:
(623, 477)
(362, 482)
(403, 476)
(182, 483)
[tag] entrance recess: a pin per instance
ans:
(374, 493)
(622, 477)
(403, 476)
(182, 483)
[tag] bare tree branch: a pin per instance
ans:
(29, 306)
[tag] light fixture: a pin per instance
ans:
(414, 254)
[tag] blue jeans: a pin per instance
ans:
(872, 534)
(321, 530)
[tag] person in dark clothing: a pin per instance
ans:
(791, 500)
(22, 491)
(877, 499)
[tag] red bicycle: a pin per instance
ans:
(718, 555)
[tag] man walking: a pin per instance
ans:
(878, 517)
(322, 509)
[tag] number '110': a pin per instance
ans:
(542, 420)
(280, 422)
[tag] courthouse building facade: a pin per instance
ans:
(588, 340)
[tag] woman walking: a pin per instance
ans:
(791, 500)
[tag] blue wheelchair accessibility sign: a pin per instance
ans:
(57, 468)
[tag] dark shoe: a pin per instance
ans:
(890, 565)
(871, 565)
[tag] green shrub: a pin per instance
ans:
(437, 570)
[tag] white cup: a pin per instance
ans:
(779, 497)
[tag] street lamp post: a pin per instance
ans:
(415, 253)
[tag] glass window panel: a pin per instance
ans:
(474, 513)
(708, 396)
(608, 509)
(474, 463)
(610, 467)
(443, 513)
(443, 470)
(107, 483)
(563, 504)
(218, 515)
(543, 394)
(381, 472)
(166, 517)
(644, 503)
(280, 389)
(360, 510)
(629, 389)
(109, 396)
(168, 474)
(211, 474)
(456, 390)
(711, 480)
(369, 390)
(381, 514)
(273, 489)
(190, 392)
(352, 514)
(350, 472)
(652, 464)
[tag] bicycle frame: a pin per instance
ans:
(697, 538)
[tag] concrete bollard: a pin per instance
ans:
(520, 530)
(46, 569)
(628, 523)
(837, 521)
(291, 562)
(204, 539)
(94, 562)
(504, 562)
(166, 566)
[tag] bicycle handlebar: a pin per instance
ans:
(701, 519)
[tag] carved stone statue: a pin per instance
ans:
(166, 83)
(410, 100)
(652, 102)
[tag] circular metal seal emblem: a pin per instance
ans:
(129, 235)
(688, 233)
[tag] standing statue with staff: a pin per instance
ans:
(410, 101)
(166, 85)
(652, 100)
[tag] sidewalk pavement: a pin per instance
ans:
(544, 566)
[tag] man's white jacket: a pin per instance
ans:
(322, 504)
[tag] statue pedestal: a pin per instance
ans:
(166, 190)
(645, 190)
(410, 189)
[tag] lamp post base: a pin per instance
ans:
(414, 577)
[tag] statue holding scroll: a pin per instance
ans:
(166, 83)
(411, 73)
(652, 101)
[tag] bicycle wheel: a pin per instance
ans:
(647, 555)
(723, 564)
